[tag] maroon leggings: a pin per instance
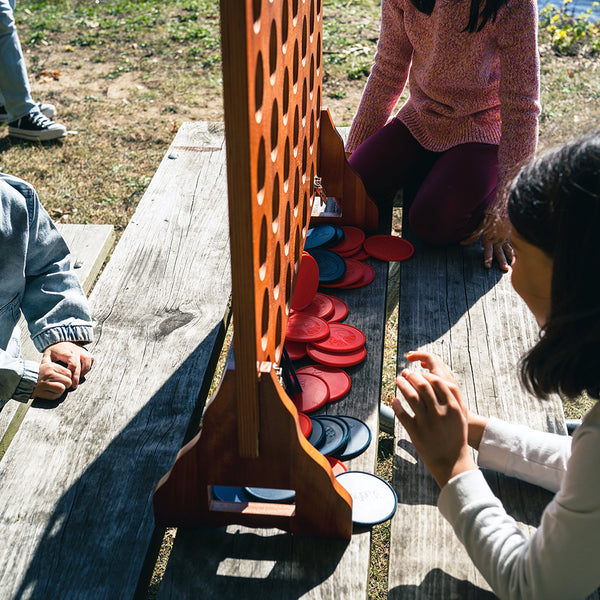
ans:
(457, 185)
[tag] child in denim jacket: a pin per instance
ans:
(35, 279)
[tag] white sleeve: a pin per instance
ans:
(561, 560)
(534, 456)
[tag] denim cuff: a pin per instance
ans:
(63, 333)
(25, 388)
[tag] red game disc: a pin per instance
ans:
(341, 338)
(353, 238)
(307, 282)
(295, 350)
(303, 327)
(362, 254)
(337, 466)
(367, 277)
(354, 272)
(321, 306)
(337, 380)
(305, 424)
(352, 253)
(389, 247)
(314, 394)
(340, 310)
(339, 359)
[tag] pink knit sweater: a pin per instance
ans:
(464, 87)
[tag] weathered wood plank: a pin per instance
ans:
(269, 563)
(77, 481)
(452, 306)
(89, 245)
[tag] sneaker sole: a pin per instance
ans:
(42, 136)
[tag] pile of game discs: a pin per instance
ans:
(351, 243)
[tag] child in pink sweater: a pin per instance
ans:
(470, 121)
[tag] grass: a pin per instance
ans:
(125, 74)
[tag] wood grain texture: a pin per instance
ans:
(236, 561)
(452, 306)
(77, 481)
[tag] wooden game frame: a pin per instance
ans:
(278, 139)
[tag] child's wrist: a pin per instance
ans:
(444, 473)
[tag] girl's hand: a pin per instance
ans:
(433, 363)
(53, 381)
(76, 358)
(495, 234)
(438, 429)
(436, 366)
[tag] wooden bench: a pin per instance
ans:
(78, 477)
(472, 317)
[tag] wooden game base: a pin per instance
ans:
(285, 461)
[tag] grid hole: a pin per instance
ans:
(262, 249)
(260, 171)
(273, 51)
(277, 271)
(274, 129)
(258, 88)
(264, 328)
(275, 204)
(284, 25)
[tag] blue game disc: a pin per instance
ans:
(317, 435)
(337, 433)
(227, 493)
(339, 234)
(320, 236)
(272, 494)
(331, 265)
(358, 441)
(373, 499)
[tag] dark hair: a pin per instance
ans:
(478, 15)
(554, 204)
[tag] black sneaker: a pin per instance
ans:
(35, 126)
(48, 110)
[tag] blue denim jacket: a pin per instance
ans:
(35, 279)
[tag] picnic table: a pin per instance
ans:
(78, 477)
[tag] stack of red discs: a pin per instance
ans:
(337, 380)
(303, 328)
(344, 346)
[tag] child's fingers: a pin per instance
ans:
(410, 394)
(405, 419)
(501, 256)
(87, 361)
(427, 360)
(488, 254)
(424, 399)
(441, 389)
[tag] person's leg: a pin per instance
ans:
(387, 160)
(453, 198)
(14, 83)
